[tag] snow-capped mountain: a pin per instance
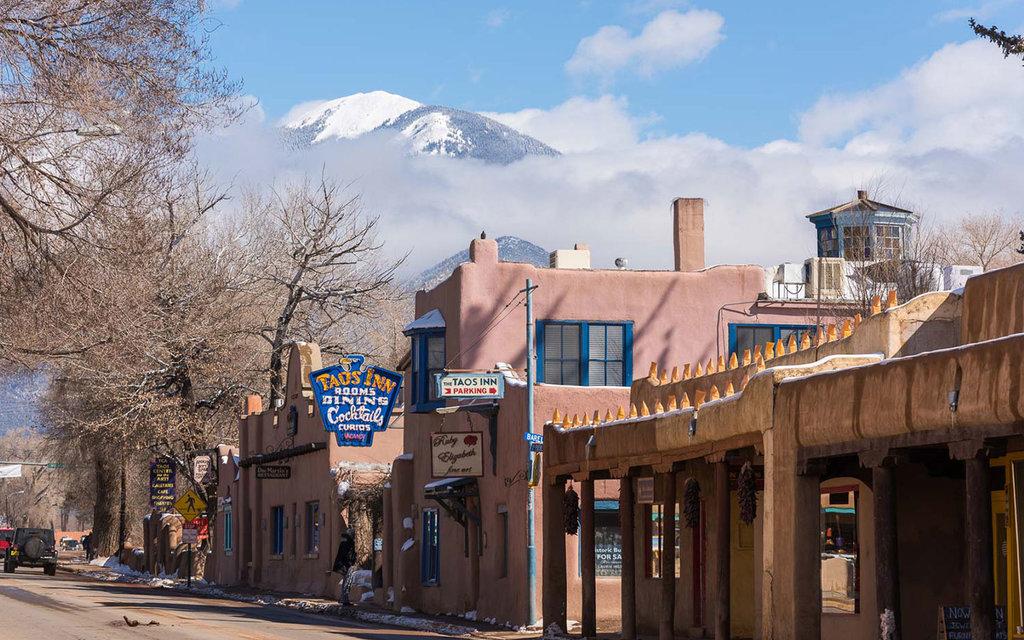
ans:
(432, 130)
(510, 249)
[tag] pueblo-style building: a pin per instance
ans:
(866, 482)
(283, 495)
(456, 541)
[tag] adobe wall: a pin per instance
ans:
(501, 597)
(311, 480)
(994, 304)
(677, 316)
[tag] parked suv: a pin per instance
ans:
(32, 548)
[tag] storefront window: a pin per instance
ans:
(607, 539)
(313, 527)
(277, 529)
(655, 540)
(430, 560)
(840, 551)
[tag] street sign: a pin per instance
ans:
(161, 484)
(190, 505)
(537, 438)
(273, 472)
(488, 386)
(355, 400)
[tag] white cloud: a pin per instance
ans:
(577, 125)
(946, 130)
(670, 40)
(964, 96)
(497, 17)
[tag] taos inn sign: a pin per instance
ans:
(487, 386)
(355, 400)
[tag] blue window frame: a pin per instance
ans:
(229, 529)
(591, 354)
(430, 550)
(748, 336)
(428, 359)
(277, 524)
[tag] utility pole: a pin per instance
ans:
(531, 380)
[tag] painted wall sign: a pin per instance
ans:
(955, 623)
(470, 385)
(161, 484)
(273, 472)
(355, 400)
(457, 454)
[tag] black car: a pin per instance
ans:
(32, 548)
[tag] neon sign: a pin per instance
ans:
(355, 400)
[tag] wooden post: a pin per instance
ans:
(588, 559)
(722, 545)
(628, 580)
(667, 623)
(887, 574)
(554, 588)
(980, 579)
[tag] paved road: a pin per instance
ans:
(37, 607)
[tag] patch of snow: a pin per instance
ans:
(408, 610)
(408, 544)
(407, 522)
(366, 596)
(362, 578)
(391, 594)
(343, 488)
(470, 615)
(349, 117)
(404, 456)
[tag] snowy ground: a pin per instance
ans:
(110, 570)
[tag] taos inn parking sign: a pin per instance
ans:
(355, 400)
(452, 384)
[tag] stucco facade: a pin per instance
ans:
(243, 552)
(915, 413)
(672, 315)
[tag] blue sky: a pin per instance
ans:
(774, 61)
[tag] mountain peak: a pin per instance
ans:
(349, 116)
(428, 129)
(510, 249)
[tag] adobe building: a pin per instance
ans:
(281, 497)
(867, 483)
(457, 542)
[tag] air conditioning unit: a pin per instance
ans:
(955, 276)
(787, 282)
(832, 272)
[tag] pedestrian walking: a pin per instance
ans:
(344, 561)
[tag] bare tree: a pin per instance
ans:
(95, 94)
(157, 292)
(986, 240)
(322, 270)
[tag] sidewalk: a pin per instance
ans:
(110, 571)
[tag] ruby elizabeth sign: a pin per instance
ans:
(457, 454)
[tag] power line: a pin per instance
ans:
(499, 318)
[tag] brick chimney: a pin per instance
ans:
(688, 227)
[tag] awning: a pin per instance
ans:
(451, 494)
(429, 320)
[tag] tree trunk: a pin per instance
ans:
(105, 510)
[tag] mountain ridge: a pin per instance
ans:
(510, 249)
(426, 129)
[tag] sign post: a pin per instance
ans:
(355, 400)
